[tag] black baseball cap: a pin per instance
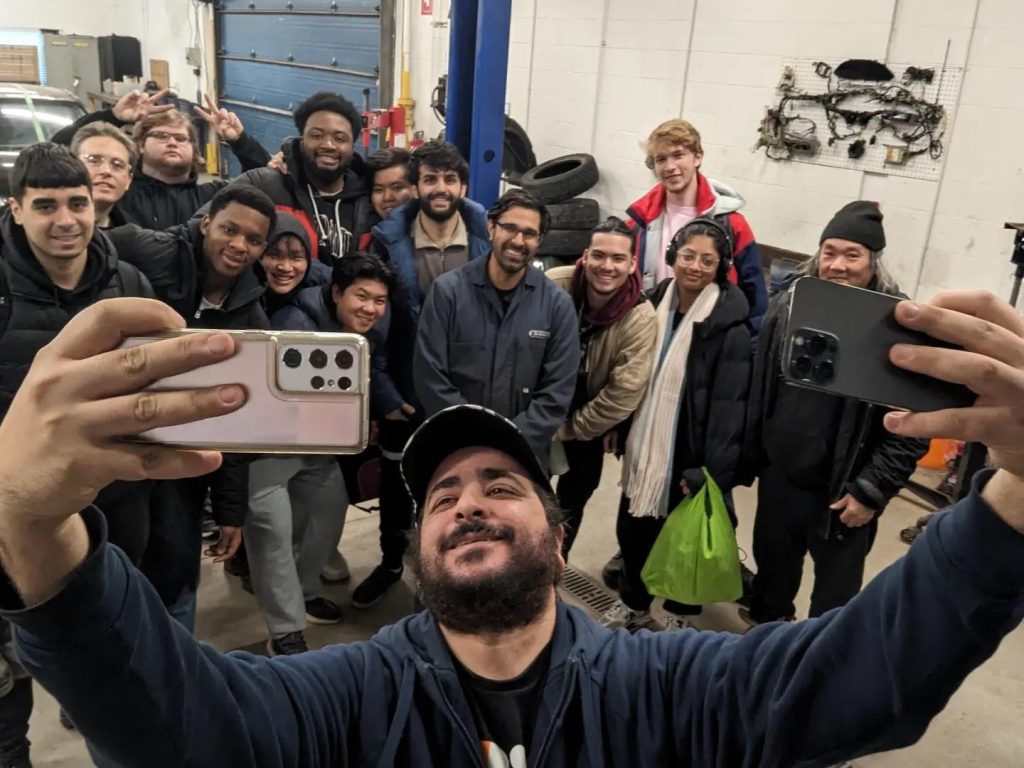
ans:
(458, 427)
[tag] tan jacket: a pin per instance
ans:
(618, 365)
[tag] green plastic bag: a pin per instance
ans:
(695, 559)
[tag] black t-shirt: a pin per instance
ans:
(504, 710)
(335, 223)
(506, 296)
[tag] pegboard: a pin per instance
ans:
(943, 90)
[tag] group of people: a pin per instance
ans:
(660, 345)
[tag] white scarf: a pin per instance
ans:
(651, 439)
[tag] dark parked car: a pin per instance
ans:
(28, 114)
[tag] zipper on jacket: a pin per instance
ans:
(476, 749)
(563, 705)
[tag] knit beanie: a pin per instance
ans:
(859, 222)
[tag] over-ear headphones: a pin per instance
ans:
(724, 238)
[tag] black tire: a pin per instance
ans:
(578, 213)
(570, 243)
(562, 178)
(518, 156)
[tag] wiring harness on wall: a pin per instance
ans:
(856, 111)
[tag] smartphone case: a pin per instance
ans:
(866, 328)
(273, 420)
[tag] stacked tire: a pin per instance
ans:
(558, 183)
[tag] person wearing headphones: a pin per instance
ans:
(693, 412)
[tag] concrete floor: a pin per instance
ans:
(980, 728)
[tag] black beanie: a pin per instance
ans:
(859, 222)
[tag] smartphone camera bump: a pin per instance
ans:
(344, 360)
(318, 359)
(813, 356)
(292, 358)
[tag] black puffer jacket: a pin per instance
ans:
(713, 413)
(156, 205)
(32, 312)
(818, 440)
(37, 310)
(175, 264)
(291, 193)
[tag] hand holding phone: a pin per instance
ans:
(307, 393)
(838, 340)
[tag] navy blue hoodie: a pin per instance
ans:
(861, 679)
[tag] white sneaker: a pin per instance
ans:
(622, 616)
(336, 571)
(674, 622)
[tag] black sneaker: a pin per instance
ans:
(287, 645)
(375, 586)
(611, 574)
(320, 610)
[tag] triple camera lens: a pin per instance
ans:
(814, 357)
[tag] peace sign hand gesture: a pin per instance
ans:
(137, 105)
(224, 123)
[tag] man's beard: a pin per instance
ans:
(499, 601)
(322, 177)
(440, 216)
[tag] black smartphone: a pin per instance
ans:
(838, 339)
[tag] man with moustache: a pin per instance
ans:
(498, 333)
(166, 190)
(497, 670)
(204, 271)
(423, 238)
(324, 186)
(618, 332)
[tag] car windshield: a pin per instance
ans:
(23, 123)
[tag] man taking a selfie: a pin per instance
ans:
(826, 465)
(496, 662)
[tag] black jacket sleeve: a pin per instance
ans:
(762, 387)
(158, 255)
(249, 151)
(889, 465)
(229, 489)
(65, 135)
(730, 388)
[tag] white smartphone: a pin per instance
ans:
(307, 393)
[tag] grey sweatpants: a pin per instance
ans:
(297, 508)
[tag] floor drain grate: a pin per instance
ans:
(586, 592)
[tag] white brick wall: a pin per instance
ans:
(597, 75)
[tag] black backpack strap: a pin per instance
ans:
(130, 279)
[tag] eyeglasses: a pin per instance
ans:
(529, 235)
(706, 263)
(163, 137)
(659, 161)
(98, 161)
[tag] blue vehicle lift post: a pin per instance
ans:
(477, 75)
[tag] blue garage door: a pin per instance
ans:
(272, 54)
